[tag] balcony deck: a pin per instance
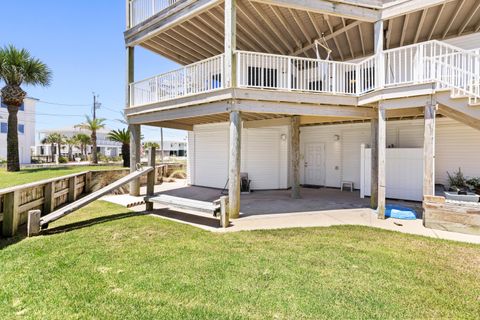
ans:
(446, 66)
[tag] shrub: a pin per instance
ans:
(62, 160)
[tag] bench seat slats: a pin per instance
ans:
(183, 203)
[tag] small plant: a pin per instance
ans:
(474, 184)
(457, 180)
(62, 160)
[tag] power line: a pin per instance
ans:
(64, 104)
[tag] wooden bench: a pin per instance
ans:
(217, 208)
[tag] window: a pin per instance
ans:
(21, 128)
(216, 81)
(262, 77)
(3, 127)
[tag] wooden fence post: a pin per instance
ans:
(224, 216)
(33, 226)
(11, 217)
(49, 195)
(88, 182)
(150, 178)
(72, 189)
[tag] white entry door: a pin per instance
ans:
(314, 163)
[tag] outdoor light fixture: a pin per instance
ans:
(283, 137)
(336, 137)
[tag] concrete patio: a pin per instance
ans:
(275, 209)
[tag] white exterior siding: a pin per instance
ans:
(26, 140)
(456, 146)
(264, 156)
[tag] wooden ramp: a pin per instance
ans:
(35, 222)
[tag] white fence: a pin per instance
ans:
(436, 62)
(203, 76)
(141, 10)
(404, 173)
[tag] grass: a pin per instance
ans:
(10, 179)
(105, 262)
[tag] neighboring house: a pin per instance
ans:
(256, 96)
(104, 145)
(26, 129)
(172, 148)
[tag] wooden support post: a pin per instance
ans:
(429, 150)
(378, 39)
(135, 157)
(150, 178)
(382, 149)
(33, 225)
(72, 189)
(130, 76)
(230, 43)
(224, 216)
(234, 164)
(11, 216)
(88, 182)
(374, 163)
(49, 195)
(295, 148)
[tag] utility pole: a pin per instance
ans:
(96, 105)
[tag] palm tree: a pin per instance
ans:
(71, 142)
(122, 136)
(18, 67)
(54, 139)
(84, 140)
(93, 124)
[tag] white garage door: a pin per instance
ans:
(211, 156)
(262, 158)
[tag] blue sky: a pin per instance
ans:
(82, 42)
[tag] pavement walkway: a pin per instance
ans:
(291, 216)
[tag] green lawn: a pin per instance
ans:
(9, 179)
(105, 262)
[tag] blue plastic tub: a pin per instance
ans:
(400, 212)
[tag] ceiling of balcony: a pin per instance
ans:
(274, 29)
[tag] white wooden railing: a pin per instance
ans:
(446, 66)
(141, 10)
(203, 76)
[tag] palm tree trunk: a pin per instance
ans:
(126, 155)
(94, 146)
(13, 157)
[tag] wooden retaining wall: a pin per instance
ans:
(460, 217)
(48, 195)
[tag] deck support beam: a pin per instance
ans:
(382, 149)
(151, 178)
(374, 163)
(234, 164)
(230, 43)
(295, 149)
(429, 150)
(135, 157)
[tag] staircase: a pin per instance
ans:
(457, 75)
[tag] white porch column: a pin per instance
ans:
(230, 43)
(134, 156)
(234, 164)
(382, 149)
(295, 149)
(429, 150)
(378, 50)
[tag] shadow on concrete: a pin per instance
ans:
(280, 201)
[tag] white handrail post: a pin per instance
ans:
(153, 7)
(289, 73)
(334, 77)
